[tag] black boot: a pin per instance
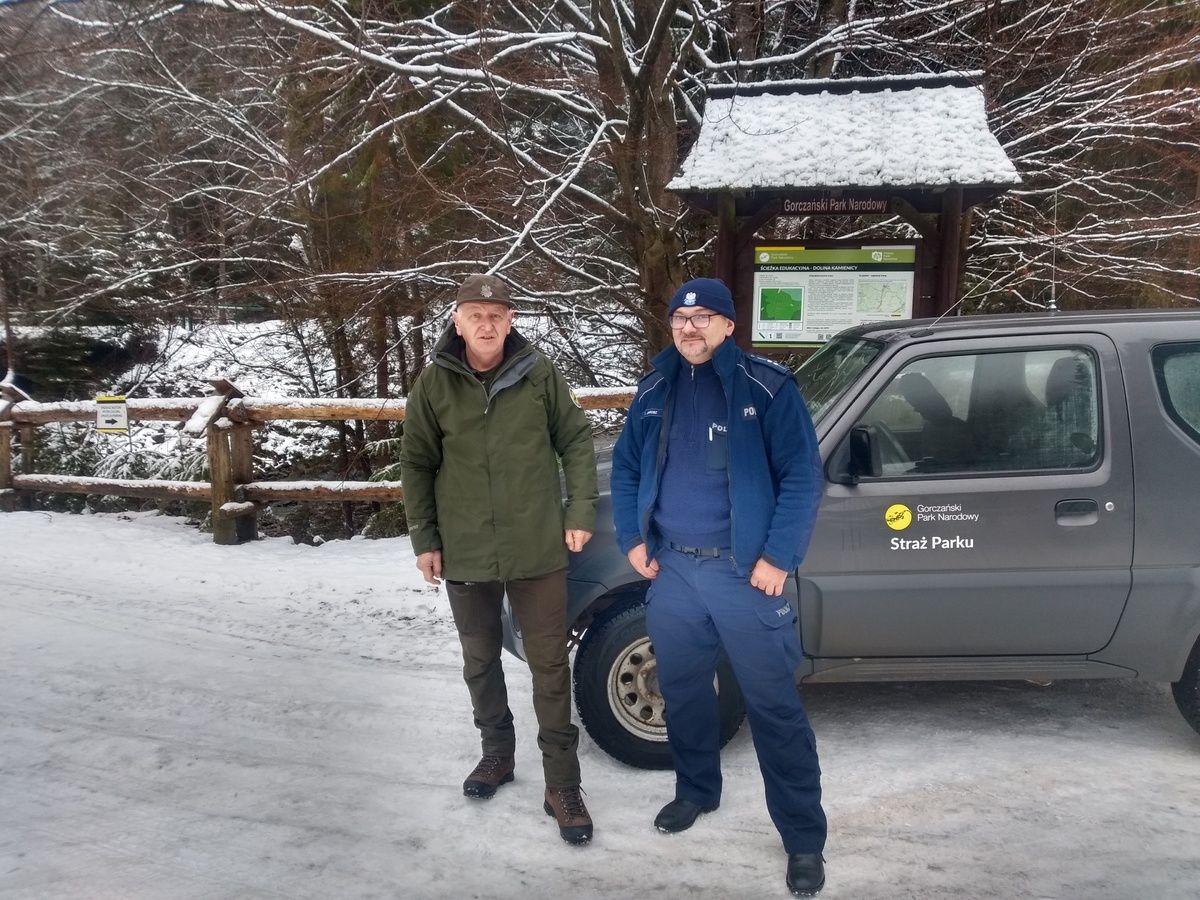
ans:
(805, 873)
(680, 815)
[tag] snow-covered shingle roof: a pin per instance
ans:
(887, 132)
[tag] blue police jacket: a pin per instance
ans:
(775, 473)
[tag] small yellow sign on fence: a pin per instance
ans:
(111, 414)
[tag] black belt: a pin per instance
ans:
(700, 551)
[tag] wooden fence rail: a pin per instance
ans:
(226, 419)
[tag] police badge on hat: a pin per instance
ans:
(689, 299)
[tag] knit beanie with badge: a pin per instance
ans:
(710, 293)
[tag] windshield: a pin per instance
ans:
(827, 373)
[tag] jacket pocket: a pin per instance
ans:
(779, 616)
(776, 612)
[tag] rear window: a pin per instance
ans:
(1177, 369)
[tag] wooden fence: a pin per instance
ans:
(227, 420)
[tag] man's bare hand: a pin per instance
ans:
(767, 578)
(575, 538)
(430, 565)
(640, 559)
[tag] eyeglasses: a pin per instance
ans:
(699, 320)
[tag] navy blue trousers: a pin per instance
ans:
(696, 605)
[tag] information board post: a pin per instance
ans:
(952, 241)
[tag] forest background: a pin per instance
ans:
(286, 192)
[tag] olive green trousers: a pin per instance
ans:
(540, 607)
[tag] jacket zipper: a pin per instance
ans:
(660, 455)
(729, 469)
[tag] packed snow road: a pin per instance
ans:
(181, 720)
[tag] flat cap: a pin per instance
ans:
(481, 288)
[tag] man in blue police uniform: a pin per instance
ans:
(715, 485)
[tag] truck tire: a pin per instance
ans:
(617, 695)
(1187, 689)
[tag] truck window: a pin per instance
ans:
(1177, 369)
(828, 373)
(1027, 410)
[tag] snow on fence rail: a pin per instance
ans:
(227, 419)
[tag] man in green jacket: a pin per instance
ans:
(485, 427)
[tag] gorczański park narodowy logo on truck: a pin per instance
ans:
(898, 517)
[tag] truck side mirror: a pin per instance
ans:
(864, 453)
(861, 460)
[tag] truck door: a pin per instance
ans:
(1002, 522)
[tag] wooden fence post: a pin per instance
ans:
(6, 483)
(10, 396)
(28, 450)
(208, 419)
(241, 441)
(220, 467)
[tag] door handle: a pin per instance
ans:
(1076, 512)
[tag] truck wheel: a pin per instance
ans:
(1187, 689)
(617, 694)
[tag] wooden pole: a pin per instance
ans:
(950, 229)
(161, 410)
(201, 491)
(6, 482)
(734, 236)
(725, 265)
(220, 467)
(241, 441)
(726, 237)
(28, 455)
(10, 345)
(322, 491)
(333, 409)
(195, 491)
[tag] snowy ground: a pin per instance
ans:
(181, 720)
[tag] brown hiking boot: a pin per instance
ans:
(489, 774)
(565, 804)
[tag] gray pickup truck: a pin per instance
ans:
(1006, 497)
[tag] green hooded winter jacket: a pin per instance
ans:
(480, 467)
